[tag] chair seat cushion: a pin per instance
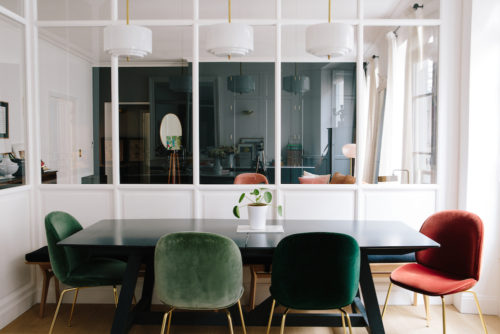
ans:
(392, 258)
(431, 282)
(39, 255)
(97, 272)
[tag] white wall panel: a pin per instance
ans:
(318, 204)
(86, 205)
(409, 206)
(157, 203)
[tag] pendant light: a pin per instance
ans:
(242, 84)
(296, 83)
(330, 39)
(128, 40)
(230, 39)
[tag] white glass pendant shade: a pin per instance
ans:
(182, 84)
(242, 84)
(128, 40)
(330, 39)
(296, 84)
(230, 39)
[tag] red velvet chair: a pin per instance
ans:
(250, 178)
(454, 267)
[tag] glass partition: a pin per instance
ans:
(401, 109)
(74, 10)
(402, 9)
(236, 121)
(318, 118)
(15, 6)
(12, 105)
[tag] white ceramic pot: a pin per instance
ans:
(257, 216)
(8, 167)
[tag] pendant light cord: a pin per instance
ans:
(228, 11)
(329, 11)
(128, 12)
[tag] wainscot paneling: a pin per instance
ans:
(409, 206)
(319, 204)
(157, 203)
(16, 290)
(86, 205)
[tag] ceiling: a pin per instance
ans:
(173, 43)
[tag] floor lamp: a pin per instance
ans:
(349, 151)
(171, 135)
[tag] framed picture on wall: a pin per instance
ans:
(4, 120)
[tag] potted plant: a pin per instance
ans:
(258, 201)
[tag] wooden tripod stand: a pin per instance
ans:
(173, 169)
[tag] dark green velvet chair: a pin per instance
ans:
(75, 267)
(315, 271)
(198, 271)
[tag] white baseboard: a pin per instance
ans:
(16, 303)
(465, 303)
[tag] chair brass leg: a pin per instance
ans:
(271, 317)
(57, 308)
(228, 314)
(282, 330)
(115, 294)
(170, 320)
(479, 309)
(164, 322)
(73, 307)
(386, 299)
(415, 299)
(242, 319)
(427, 313)
(348, 320)
(253, 287)
(343, 322)
(444, 314)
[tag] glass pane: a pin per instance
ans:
(74, 10)
(75, 120)
(318, 9)
(401, 108)
(156, 9)
(12, 105)
(15, 6)
(401, 9)
(240, 9)
(236, 121)
(264, 45)
(318, 118)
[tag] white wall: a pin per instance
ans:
(480, 171)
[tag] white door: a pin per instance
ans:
(63, 154)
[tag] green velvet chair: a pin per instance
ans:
(198, 271)
(75, 267)
(315, 271)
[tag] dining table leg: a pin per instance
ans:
(372, 308)
(123, 318)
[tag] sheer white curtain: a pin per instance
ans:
(374, 94)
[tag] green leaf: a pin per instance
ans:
(280, 210)
(236, 211)
(241, 198)
(268, 197)
(255, 192)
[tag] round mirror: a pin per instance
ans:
(171, 132)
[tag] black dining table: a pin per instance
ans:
(135, 241)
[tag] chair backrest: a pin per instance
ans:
(195, 270)
(58, 226)
(250, 178)
(315, 271)
(460, 234)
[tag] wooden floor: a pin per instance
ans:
(97, 319)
